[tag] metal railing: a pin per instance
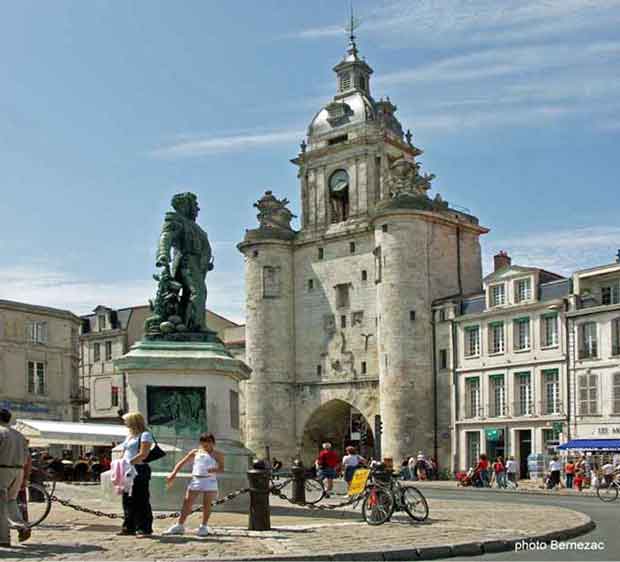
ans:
(523, 408)
(472, 411)
(550, 408)
(497, 409)
(589, 352)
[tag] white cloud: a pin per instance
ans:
(448, 22)
(227, 143)
(562, 251)
(60, 289)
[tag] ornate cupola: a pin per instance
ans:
(352, 72)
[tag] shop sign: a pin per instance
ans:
(24, 407)
(494, 434)
(606, 430)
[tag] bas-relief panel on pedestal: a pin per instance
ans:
(181, 409)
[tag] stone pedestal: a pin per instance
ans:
(185, 388)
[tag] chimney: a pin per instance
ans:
(501, 260)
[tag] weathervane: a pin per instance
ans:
(351, 26)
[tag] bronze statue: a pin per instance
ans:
(184, 256)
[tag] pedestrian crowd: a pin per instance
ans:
(586, 470)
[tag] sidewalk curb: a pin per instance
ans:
(521, 491)
(428, 552)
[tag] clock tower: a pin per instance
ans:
(339, 313)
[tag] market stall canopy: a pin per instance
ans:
(41, 433)
(591, 445)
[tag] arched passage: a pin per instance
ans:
(341, 424)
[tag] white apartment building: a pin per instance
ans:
(507, 356)
(594, 362)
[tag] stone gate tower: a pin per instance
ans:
(341, 309)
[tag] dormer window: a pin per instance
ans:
(101, 323)
(523, 290)
(497, 295)
(610, 293)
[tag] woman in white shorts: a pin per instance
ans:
(207, 463)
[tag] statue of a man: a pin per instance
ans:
(190, 261)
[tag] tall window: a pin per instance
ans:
(378, 264)
(101, 322)
(496, 337)
(549, 330)
(37, 332)
(588, 394)
(551, 439)
(587, 340)
(498, 396)
(523, 290)
(473, 447)
(443, 358)
(271, 281)
(524, 405)
(114, 397)
(472, 341)
(234, 409)
(498, 294)
(108, 351)
(522, 333)
(472, 397)
(615, 336)
(610, 294)
(616, 394)
(97, 352)
(551, 389)
(36, 377)
(342, 295)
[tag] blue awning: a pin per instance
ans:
(592, 445)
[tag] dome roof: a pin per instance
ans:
(353, 109)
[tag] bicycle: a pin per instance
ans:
(405, 498)
(378, 502)
(34, 504)
(315, 489)
(610, 492)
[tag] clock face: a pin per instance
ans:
(339, 181)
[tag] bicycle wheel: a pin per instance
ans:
(315, 491)
(414, 503)
(34, 504)
(378, 506)
(608, 493)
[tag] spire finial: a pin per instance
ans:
(350, 28)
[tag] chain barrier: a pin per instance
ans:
(173, 515)
(276, 491)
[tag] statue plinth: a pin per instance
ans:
(185, 388)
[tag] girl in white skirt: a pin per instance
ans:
(207, 463)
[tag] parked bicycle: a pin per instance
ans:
(407, 498)
(34, 504)
(609, 492)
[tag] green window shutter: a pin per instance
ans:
(522, 319)
(471, 328)
(549, 315)
(496, 376)
(496, 323)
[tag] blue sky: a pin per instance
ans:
(108, 108)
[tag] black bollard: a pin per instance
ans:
(299, 481)
(260, 514)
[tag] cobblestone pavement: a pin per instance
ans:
(68, 535)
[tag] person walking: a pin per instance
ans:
(138, 516)
(351, 462)
(207, 464)
(569, 473)
(14, 458)
(555, 467)
(482, 468)
(511, 471)
(328, 462)
(499, 470)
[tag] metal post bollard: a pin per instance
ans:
(5, 534)
(299, 481)
(260, 513)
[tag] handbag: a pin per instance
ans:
(155, 453)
